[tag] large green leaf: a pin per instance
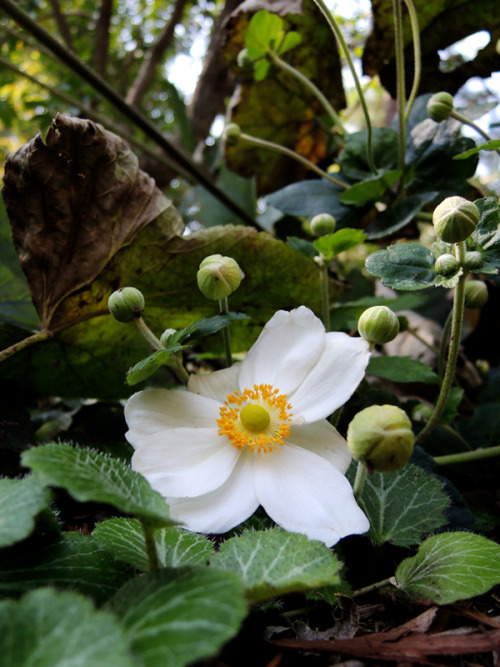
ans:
(340, 241)
(403, 266)
(88, 475)
(177, 616)
(20, 501)
(450, 567)
(486, 236)
(47, 628)
(401, 369)
(394, 218)
(353, 160)
(275, 562)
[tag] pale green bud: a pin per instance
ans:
(440, 106)
(476, 294)
(244, 61)
(219, 276)
(126, 303)
(381, 436)
(166, 335)
(446, 264)
(323, 224)
(378, 325)
(404, 323)
(473, 260)
(232, 134)
(421, 412)
(455, 219)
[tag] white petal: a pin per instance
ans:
(185, 461)
(333, 379)
(224, 508)
(155, 410)
(303, 493)
(286, 350)
(324, 440)
(216, 385)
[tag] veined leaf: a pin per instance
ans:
(20, 501)
(401, 369)
(403, 266)
(340, 241)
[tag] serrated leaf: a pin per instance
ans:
(207, 326)
(47, 628)
(146, 367)
(402, 506)
(177, 616)
(20, 501)
(450, 567)
(90, 476)
(486, 236)
(403, 266)
(370, 189)
(70, 561)
(340, 241)
(401, 369)
(275, 562)
(124, 540)
(493, 145)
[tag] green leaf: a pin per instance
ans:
(403, 266)
(178, 616)
(398, 216)
(146, 367)
(291, 40)
(344, 239)
(451, 407)
(71, 561)
(264, 30)
(276, 562)
(207, 326)
(370, 189)
(401, 369)
(90, 476)
(353, 160)
(486, 236)
(493, 145)
(450, 567)
(124, 540)
(46, 628)
(302, 245)
(20, 501)
(402, 506)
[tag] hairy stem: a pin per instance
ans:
(372, 587)
(417, 56)
(147, 333)
(149, 536)
(38, 337)
(465, 457)
(325, 294)
(226, 337)
(470, 123)
(359, 480)
(400, 82)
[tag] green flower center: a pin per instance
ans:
(255, 418)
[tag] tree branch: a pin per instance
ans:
(154, 56)
(102, 37)
(61, 24)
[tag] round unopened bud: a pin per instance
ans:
(126, 303)
(455, 219)
(476, 294)
(381, 437)
(446, 264)
(244, 61)
(219, 276)
(323, 224)
(232, 134)
(440, 106)
(473, 260)
(421, 412)
(404, 323)
(378, 325)
(166, 335)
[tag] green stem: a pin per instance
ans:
(226, 338)
(400, 82)
(466, 121)
(417, 56)
(342, 43)
(371, 588)
(147, 333)
(451, 363)
(325, 294)
(154, 561)
(444, 343)
(262, 143)
(311, 87)
(38, 337)
(418, 337)
(359, 480)
(175, 362)
(465, 457)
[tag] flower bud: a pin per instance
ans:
(455, 219)
(476, 294)
(322, 224)
(244, 61)
(232, 134)
(126, 303)
(381, 437)
(219, 276)
(378, 325)
(166, 335)
(404, 323)
(421, 412)
(473, 260)
(440, 106)
(446, 264)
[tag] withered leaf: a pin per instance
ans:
(73, 201)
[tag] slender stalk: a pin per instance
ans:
(451, 363)
(400, 81)
(325, 294)
(470, 123)
(154, 561)
(175, 361)
(38, 337)
(359, 480)
(372, 587)
(423, 341)
(417, 56)
(444, 343)
(342, 43)
(262, 143)
(311, 87)
(465, 457)
(226, 337)
(147, 333)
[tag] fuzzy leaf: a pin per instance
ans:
(276, 562)
(146, 367)
(177, 616)
(46, 628)
(90, 476)
(450, 567)
(401, 369)
(124, 540)
(403, 266)
(20, 501)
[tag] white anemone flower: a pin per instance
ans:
(257, 434)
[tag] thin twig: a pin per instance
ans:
(61, 24)
(102, 37)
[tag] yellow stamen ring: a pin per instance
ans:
(258, 418)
